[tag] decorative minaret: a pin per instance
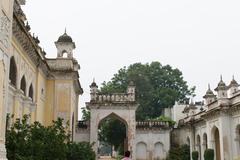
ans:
(222, 89)
(233, 87)
(131, 91)
(93, 90)
(64, 45)
(209, 96)
(192, 108)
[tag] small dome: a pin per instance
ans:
(233, 83)
(65, 38)
(209, 93)
(94, 84)
(221, 85)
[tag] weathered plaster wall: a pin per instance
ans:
(152, 144)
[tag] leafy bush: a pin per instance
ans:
(179, 153)
(80, 151)
(209, 154)
(26, 141)
(195, 155)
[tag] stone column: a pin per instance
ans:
(225, 137)
(94, 130)
(2, 110)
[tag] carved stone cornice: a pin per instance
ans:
(27, 43)
(235, 110)
(113, 106)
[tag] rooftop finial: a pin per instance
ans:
(221, 77)
(233, 77)
(94, 79)
(209, 86)
(65, 30)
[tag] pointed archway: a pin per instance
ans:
(217, 146)
(121, 106)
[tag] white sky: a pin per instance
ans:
(201, 38)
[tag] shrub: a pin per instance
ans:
(36, 142)
(80, 151)
(179, 153)
(209, 154)
(195, 155)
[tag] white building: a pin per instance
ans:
(215, 125)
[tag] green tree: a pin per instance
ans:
(157, 87)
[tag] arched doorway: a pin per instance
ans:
(205, 144)
(141, 152)
(217, 143)
(188, 141)
(30, 92)
(112, 136)
(199, 147)
(237, 139)
(23, 85)
(159, 151)
(13, 72)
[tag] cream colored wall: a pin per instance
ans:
(50, 103)
(6, 7)
(2, 125)
(41, 98)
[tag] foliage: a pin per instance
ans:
(209, 154)
(26, 141)
(85, 114)
(195, 155)
(185, 152)
(113, 132)
(80, 151)
(179, 153)
(157, 87)
(164, 118)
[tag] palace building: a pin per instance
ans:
(30, 83)
(45, 89)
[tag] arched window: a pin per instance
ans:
(30, 91)
(205, 143)
(199, 146)
(23, 85)
(13, 72)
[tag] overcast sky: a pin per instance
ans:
(201, 38)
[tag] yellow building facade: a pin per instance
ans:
(30, 83)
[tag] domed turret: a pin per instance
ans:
(65, 38)
(233, 87)
(222, 89)
(65, 45)
(209, 96)
(131, 91)
(93, 90)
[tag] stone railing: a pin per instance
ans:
(114, 98)
(153, 125)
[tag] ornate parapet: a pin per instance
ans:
(113, 98)
(153, 125)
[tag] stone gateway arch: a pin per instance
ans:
(120, 106)
(145, 140)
